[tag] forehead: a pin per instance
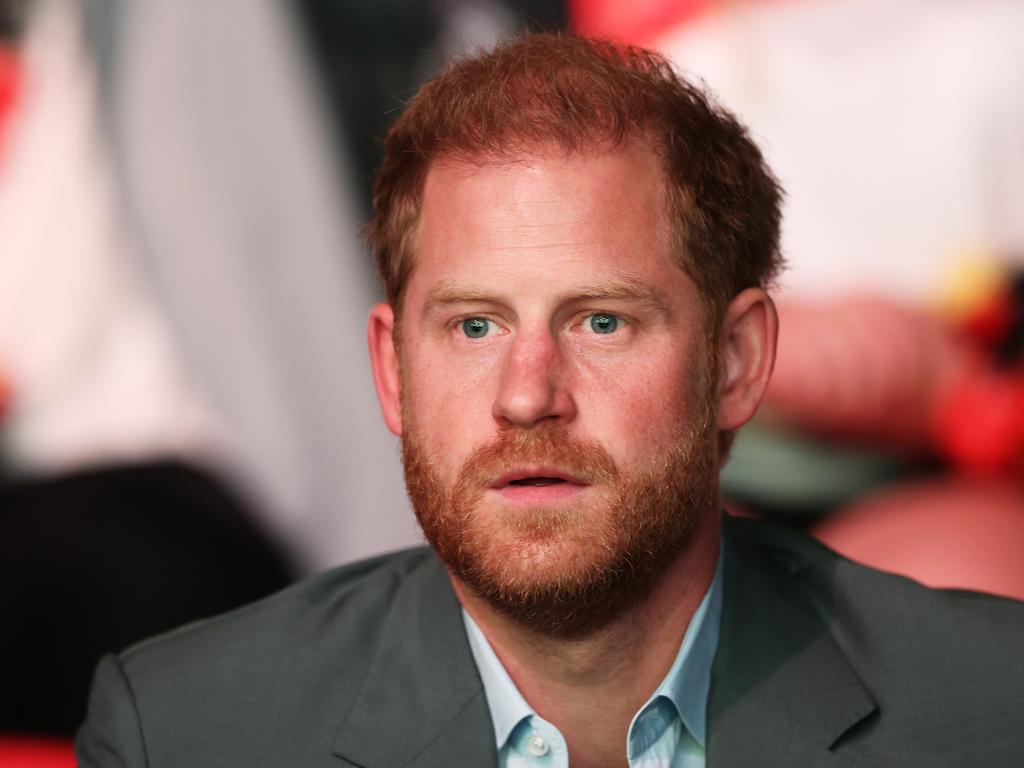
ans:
(595, 212)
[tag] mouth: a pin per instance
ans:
(538, 485)
(538, 482)
(539, 477)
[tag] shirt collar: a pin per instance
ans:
(507, 705)
(686, 685)
(688, 681)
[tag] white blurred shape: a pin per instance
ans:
(94, 370)
(896, 127)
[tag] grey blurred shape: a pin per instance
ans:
(237, 213)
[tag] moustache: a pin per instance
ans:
(584, 460)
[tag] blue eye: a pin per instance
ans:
(476, 327)
(603, 323)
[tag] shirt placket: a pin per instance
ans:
(538, 744)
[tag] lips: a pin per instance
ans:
(536, 477)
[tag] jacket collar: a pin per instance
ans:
(422, 702)
(782, 691)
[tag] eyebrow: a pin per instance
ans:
(451, 292)
(624, 289)
(447, 292)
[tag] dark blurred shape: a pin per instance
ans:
(373, 55)
(13, 15)
(366, 53)
(94, 561)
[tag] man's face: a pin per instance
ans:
(557, 387)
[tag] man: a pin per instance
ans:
(575, 245)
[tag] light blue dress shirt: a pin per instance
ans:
(669, 731)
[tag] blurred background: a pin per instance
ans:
(187, 419)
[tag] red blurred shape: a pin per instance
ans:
(949, 532)
(863, 369)
(35, 752)
(979, 425)
(631, 21)
(10, 79)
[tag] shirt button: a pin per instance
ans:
(536, 746)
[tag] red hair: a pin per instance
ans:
(541, 91)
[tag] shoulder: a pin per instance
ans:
(356, 596)
(337, 615)
(845, 590)
(257, 676)
(942, 664)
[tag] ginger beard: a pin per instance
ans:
(567, 570)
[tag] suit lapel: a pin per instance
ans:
(782, 692)
(422, 703)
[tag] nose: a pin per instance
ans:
(534, 385)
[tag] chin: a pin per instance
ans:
(552, 560)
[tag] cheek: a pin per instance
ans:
(459, 383)
(449, 400)
(636, 406)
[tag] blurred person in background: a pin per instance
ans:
(894, 424)
(576, 248)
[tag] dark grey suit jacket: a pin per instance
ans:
(820, 663)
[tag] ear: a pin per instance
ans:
(746, 356)
(384, 359)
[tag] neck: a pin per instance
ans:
(591, 687)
